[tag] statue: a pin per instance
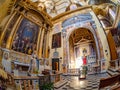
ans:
(6, 63)
(34, 64)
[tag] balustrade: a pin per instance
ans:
(115, 64)
(35, 82)
(73, 71)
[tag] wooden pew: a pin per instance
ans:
(117, 87)
(113, 80)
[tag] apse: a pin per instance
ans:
(82, 48)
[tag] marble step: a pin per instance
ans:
(108, 75)
(111, 73)
(60, 84)
(112, 69)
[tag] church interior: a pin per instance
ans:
(59, 44)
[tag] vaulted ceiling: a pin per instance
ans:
(55, 7)
(81, 35)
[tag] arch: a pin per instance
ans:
(95, 38)
(37, 14)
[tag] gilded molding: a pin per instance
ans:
(65, 14)
(41, 44)
(47, 45)
(15, 31)
(5, 28)
(30, 5)
(38, 41)
(117, 17)
(10, 38)
(31, 19)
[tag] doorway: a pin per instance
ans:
(55, 64)
(82, 49)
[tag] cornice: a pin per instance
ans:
(32, 6)
(54, 19)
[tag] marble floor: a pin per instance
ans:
(90, 83)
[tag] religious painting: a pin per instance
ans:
(116, 37)
(56, 40)
(112, 11)
(9, 29)
(25, 40)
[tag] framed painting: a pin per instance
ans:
(26, 37)
(116, 37)
(56, 40)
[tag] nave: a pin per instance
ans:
(59, 44)
(90, 83)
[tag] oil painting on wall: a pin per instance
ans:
(116, 37)
(26, 37)
(56, 40)
(57, 28)
(9, 29)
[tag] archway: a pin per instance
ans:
(83, 49)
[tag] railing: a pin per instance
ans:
(35, 82)
(26, 83)
(115, 63)
(74, 71)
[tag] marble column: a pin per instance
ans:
(9, 41)
(41, 43)
(64, 68)
(47, 45)
(44, 44)
(39, 39)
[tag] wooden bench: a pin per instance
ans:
(113, 80)
(116, 87)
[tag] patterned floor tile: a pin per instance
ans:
(90, 83)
